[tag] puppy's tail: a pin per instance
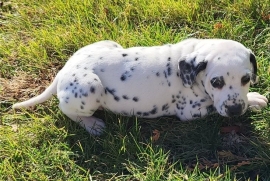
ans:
(48, 93)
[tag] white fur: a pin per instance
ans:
(145, 81)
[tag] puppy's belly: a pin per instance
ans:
(142, 106)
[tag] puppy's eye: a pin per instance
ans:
(217, 82)
(245, 79)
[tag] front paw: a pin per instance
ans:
(256, 101)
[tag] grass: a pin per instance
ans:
(37, 37)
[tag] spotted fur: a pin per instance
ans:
(189, 79)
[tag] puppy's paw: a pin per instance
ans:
(94, 125)
(256, 101)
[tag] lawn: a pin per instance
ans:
(41, 143)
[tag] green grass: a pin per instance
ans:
(36, 39)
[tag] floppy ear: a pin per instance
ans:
(254, 64)
(189, 69)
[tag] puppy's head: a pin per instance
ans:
(228, 69)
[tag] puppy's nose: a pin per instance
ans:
(234, 110)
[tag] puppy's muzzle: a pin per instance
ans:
(234, 110)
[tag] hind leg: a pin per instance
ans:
(79, 97)
(91, 124)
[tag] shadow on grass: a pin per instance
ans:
(196, 145)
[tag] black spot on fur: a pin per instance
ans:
(98, 101)
(173, 101)
(169, 59)
(136, 59)
(165, 107)
(92, 89)
(124, 54)
(157, 74)
(145, 114)
(71, 84)
(154, 110)
(102, 70)
(112, 92)
(230, 87)
(168, 69)
(196, 115)
(196, 104)
(82, 107)
(125, 97)
(73, 75)
(76, 95)
(202, 100)
(190, 101)
(139, 113)
(123, 77)
(202, 83)
(85, 68)
(85, 94)
(85, 75)
(165, 74)
(83, 103)
(135, 99)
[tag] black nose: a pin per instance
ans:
(234, 110)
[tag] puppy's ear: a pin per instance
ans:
(189, 69)
(254, 64)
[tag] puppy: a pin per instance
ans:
(189, 79)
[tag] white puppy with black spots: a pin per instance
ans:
(189, 79)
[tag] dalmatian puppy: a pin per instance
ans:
(189, 79)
